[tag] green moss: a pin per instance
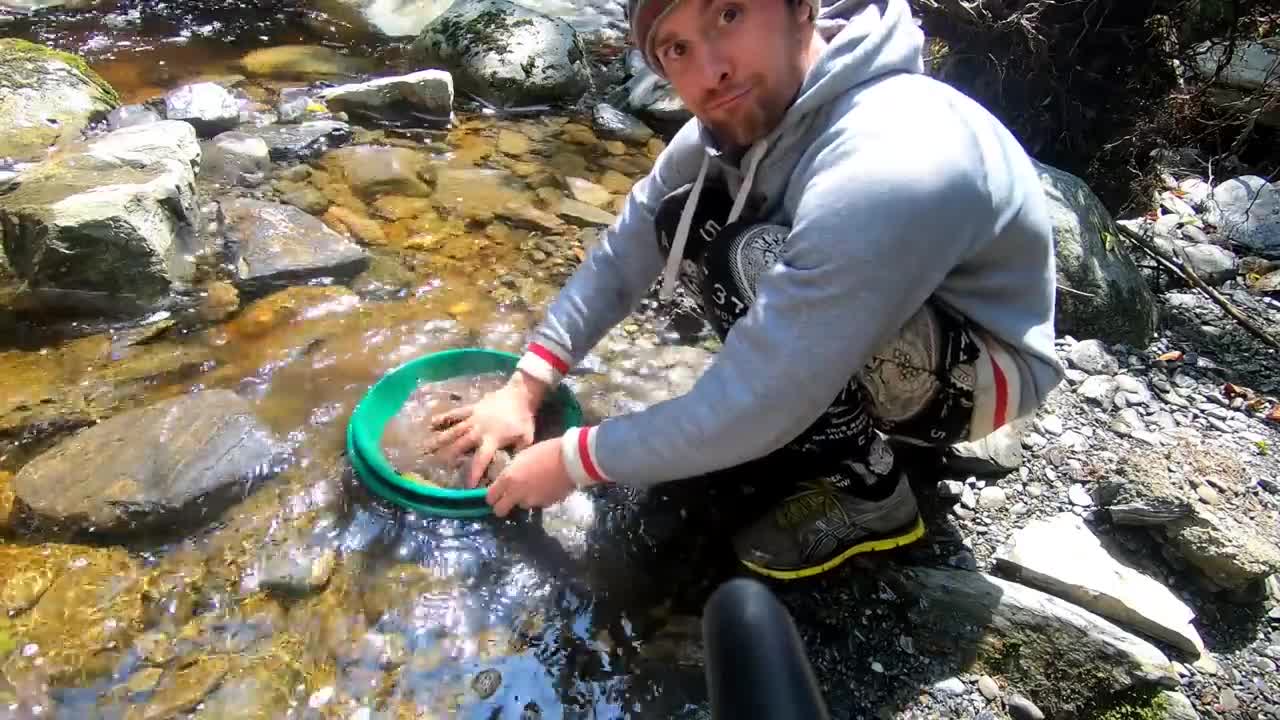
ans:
(14, 51)
(1146, 703)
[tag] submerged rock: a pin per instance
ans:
(115, 219)
(372, 171)
(1116, 304)
(506, 53)
(47, 97)
(156, 467)
(276, 245)
(303, 62)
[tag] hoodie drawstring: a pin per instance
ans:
(676, 255)
(682, 233)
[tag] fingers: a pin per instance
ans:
(480, 463)
(501, 495)
(447, 437)
(465, 442)
(457, 415)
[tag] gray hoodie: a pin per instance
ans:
(896, 187)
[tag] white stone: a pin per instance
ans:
(1051, 424)
(428, 90)
(1079, 496)
(1099, 388)
(1061, 556)
(1196, 191)
(1073, 440)
(1092, 357)
(992, 498)
(1247, 210)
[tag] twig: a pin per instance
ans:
(1180, 268)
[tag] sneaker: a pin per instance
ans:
(821, 526)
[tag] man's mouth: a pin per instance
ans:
(729, 99)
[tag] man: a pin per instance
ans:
(873, 247)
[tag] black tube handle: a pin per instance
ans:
(755, 662)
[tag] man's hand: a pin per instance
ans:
(535, 478)
(502, 419)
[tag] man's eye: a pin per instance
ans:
(729, 14)
(674, 50)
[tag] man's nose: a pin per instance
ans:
(716, 67)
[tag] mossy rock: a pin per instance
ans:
(46, 96)
(507, 54)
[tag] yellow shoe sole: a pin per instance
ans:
(913, 534)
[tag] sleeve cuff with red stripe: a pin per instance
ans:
(545, 363)
(578, 450)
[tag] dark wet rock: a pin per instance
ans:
(46, 97)
(650, 96)
(277, 245)
(234, 158)
(1116, 304)
(130, 115)
(116, 219)
(507, 54)
(302, 142)
(303, 62)
(1059, 652)
(1021, 708)
(611, 123)
(208, 107)
(156, 467)
(427, 91)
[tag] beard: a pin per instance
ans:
(746, 121)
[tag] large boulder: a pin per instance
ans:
(507, 54)
(650, 96)
(1102, 293)
(154, 468)
(1247, 211)
(46, 97)
(277, 245)
(117, 217)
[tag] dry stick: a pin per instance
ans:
(1191, 277)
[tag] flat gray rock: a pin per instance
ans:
(276, 245)
(159, 467)
(427, 91)
(1090, 577)
(1034, 640)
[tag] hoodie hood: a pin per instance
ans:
(867, 40)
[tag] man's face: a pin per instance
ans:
(736, 64)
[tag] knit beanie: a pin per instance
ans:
(645, 14)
